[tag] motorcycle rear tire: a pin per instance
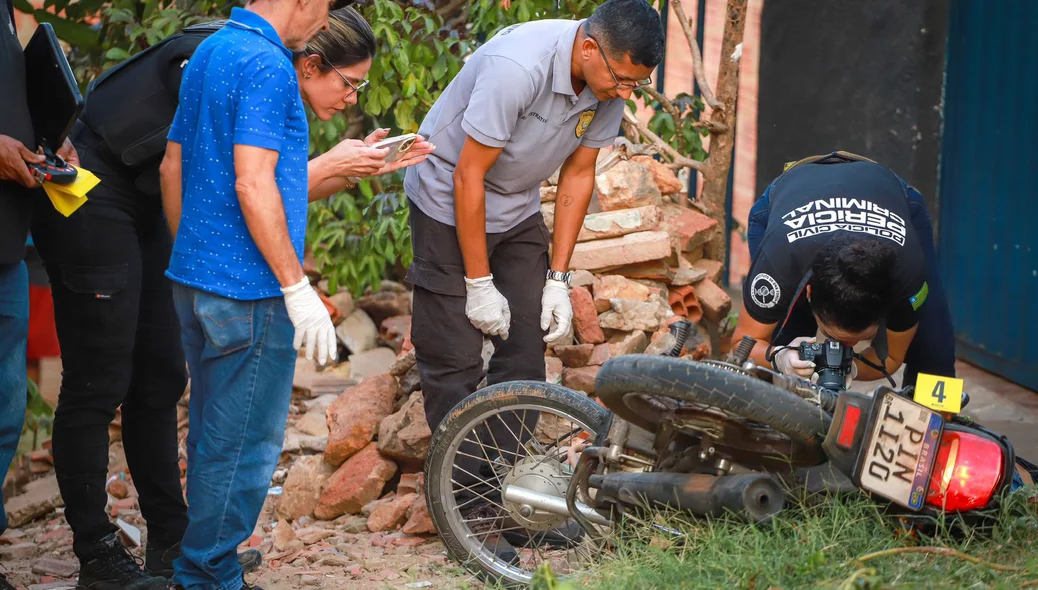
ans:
(710, 385)
(494, 399)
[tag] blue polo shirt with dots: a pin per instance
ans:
(239, 88)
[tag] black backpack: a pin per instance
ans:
(131, 105)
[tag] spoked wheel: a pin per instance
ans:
(750, 421)
(494, 462)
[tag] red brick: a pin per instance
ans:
(618, 287)
(576, 355)
(713, 300)
(358, 481)
(585, 317)
(612, 224)
(418, 519)
(626, 185)
(629, 249)
(599, 355)
(656, 270)
(582, 379)
(389, 514)
(712, 268)
(354, 416)
(688, 228)
(665, 178)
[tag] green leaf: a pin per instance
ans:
(385, 98)
(440, 67)
(117, 54)
(79, 35)
(402, 62)
(23, 6)
(410, 85)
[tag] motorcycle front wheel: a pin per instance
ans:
(524, 434)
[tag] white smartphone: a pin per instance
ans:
(398, 145)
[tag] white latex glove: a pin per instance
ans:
(788, 362)
(311, 321)
(486, 307)
(555, 305)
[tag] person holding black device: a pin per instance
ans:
(117, 323)
(18, 189)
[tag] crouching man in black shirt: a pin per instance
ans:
(842, 245)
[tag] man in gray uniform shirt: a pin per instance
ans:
(535, 97)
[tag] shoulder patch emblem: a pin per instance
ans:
(584, 122)
(765, 291)
(919, 298)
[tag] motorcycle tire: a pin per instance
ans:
(468, 414)
(709, 385)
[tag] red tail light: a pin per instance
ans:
(967, 471)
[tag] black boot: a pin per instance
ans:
(158, 560)
(110, 566)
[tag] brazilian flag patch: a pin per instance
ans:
(919, 298)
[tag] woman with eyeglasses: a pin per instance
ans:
(118, 330)
(332, 72)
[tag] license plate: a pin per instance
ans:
(899, 452)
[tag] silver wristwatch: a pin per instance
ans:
(555, 275)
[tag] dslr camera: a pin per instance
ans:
(833, 361)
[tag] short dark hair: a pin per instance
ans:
(347, 41)
(851, 281)
(629, 27)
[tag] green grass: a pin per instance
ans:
(819, 546)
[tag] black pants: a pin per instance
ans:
(448, 347)
(933, 348)
(120, 344)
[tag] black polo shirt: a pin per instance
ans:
(15, 200)
(812, 203)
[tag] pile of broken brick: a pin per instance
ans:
(639, 267)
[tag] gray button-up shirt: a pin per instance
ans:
(515, 93)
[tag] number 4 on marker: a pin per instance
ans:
(938, 392)
(943, 394)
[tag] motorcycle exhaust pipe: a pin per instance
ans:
(530, 500)
(755, 496)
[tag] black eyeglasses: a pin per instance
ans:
(632, 85)
(353, 88)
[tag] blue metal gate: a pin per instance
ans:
(989, 173)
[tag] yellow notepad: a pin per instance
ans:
(66, 198)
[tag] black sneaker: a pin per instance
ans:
(4, 584)
(563, 537)
(484, 520)
(112, 567)
(158, 560)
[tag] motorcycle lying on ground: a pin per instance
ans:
(525, 473)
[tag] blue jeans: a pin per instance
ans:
(14, 331)
(241, 360)
(933, 348)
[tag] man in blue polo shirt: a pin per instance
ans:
(234, 187)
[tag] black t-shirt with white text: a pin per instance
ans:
(809, 205)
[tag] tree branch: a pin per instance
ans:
(450, 7)
(679, 160)
(664, 102)
(697, 56)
